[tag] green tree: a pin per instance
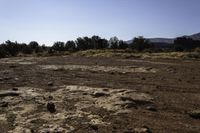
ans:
(185, 44)
(114, 42)
(122, 45)
(141, 44)
(3, 52)
(12, 48)
(58, 46)
(99, 43)
(70, 46)
(26, 49)
(33, 45)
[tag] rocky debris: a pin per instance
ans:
(149, 68)
(114, 101)
(142, 130)
(143, 78)
(195, 114)
(99, 94)
(3, 104)
(50, 83)
(128, 131)
(123, 112)
(12, 66)
(15, 89)
(51, 107)
(6, 78)
(129, 105)
(8, 93)
(52, 129)
(94, 127)
(138, 99)
(151, 108)
(16, 79)
(50, 97)
(28, 131)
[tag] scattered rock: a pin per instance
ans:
(128, 131)
(51, 107)
(3, 104)
(124, 72)
(15, 89)
(100, 94)
(8, 93)
(130, 105)
(50, 84)
(85, 93)
(16, 79)
(112, 73)
(151, 108)
(126, 99)
(52, 129)
(50, 97)
(142, 130)
(123, 112)
(12, 66)
(149, 68)
(195, 114)
(143, 78)
(6, 78)
(94, 127)
(28, 131)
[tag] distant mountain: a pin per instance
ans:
(161, 40)
(194, 36)
(169, 41)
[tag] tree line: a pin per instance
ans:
(9, 49)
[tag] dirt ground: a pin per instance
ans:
(98, 94)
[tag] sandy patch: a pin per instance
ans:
(30, 107)
(119, 69)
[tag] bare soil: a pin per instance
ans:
(98, 94)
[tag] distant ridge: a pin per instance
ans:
(165, 41)
(195, 36)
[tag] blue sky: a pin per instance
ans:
(47, 21)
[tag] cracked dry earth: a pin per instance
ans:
(96, 94)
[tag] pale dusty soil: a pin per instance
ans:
(96, 94)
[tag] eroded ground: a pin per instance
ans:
(96, 94)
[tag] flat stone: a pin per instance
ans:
(15, 89)
(3, 104)
(50, 83)
(130, 105)
(51, 107)
(94, 127)
(195, 114)
(8, 93)
(12, 66)
(142, 130)
(151, 108)
(100, 94)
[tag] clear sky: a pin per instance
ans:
(47, 21)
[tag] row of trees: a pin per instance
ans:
(185, 44)
(95, 42)
(9, 48)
